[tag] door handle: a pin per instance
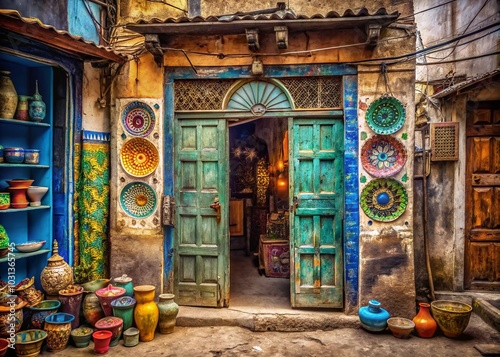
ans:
(216, 207)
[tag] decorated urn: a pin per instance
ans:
(57, 275)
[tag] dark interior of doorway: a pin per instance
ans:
(258, 180)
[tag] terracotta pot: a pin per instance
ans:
(102, 338)
(146, 312)
(425, 325)
(168, 313)
(58, 328)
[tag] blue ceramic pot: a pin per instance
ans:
(31, 156)
(41, 310)
(373, 317)
(124, 308)
(13, 155)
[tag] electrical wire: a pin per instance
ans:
(460, 59)
(425, 10)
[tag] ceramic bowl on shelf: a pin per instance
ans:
(31, 156)
(13, 155)
(30, 246)
(35, 194)
(400, 327)
(20, 183)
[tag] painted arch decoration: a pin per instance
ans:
(257, 96)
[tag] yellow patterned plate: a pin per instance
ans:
(139, 157)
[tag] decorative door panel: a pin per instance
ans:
(483, 197)
(201, 263)
(317, 188)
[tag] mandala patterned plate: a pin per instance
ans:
(386, 115)
(383, 156)
(384, 199)
(138, 119)
(138, 200)
(139, 157)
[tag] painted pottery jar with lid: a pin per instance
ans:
(373, 317)
(8, 96)
(57, 275)
(125, 282)
(168, 313)
(146, 312)
(425, 325)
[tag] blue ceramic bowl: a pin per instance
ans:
(60, 318)
(31, 156)
(13, 155)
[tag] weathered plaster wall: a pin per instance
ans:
(95, 117)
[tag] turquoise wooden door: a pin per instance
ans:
(201, 244)
(317, 189)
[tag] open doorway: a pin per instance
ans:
(259, 224)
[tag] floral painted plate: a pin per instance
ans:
(386, 115)
(383, 156)
(384, 199)
(138, 119)
(138, 200)
(139, 157)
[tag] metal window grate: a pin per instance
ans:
(307, 92)
(444, 141)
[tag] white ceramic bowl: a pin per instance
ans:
(30, 246)
(36, 193)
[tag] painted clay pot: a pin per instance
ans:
(373, 317)
(452, 317)
(7, 319)
(41, 310)
(81, 336)
(425, 325)
(56, 275)
(26, 291)
(37, 107)
(13, 155)
(108, 294)
(102, 338)
(125, 282)
(29, 342)
(92, 309)
(58, 328)
(113, 324)
(124, 308)
(22, 108)
(94, 285)
(168, 313)
(71, 301)
(8, 96)
(146, 312)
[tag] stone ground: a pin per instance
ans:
(238, 341)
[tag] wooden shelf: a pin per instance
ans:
(18, 255)
(29, 208)
(33, 166)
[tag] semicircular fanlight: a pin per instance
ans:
(258, 97)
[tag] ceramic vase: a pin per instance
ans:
(9, 319)
(113, 324)
(41, 310)
(146, 312)
(37, 107)
(425, 325)
(125, 282)
(124, 308)
(168, 313)
(58, 328)
(373, 317)
(8, 96)
(56, 275)
(71, 302)
(102, 338)
(22, 108)
(92, 310)
(108, 294)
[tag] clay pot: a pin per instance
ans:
(425, 325)
(81, 336)
(131, 337)
(168, 313)
(373, 317)
(108, 294)
(6, 318)
(125, 282)
(113, 324)
(37, 107)
(26, 291)
(452, 317)
(35, 194)
(56, 275)
(41, 310)
(71, 301)
(102, 338)
(22, 108)
(8, 96)
(124, 308)
(29, 342)
(146, 312)
(58, 328)
(92, 309)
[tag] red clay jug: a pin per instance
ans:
(425, 325)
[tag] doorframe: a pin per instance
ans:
(351, 144)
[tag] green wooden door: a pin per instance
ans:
(317, 189)
(201, 244)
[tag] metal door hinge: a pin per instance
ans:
(168, 211)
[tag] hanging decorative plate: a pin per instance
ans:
(138, 118)
(383, 156)
(384, 199)
(138, 200)
(139, 157)
(386, 115)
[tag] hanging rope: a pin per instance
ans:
(383, 69)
